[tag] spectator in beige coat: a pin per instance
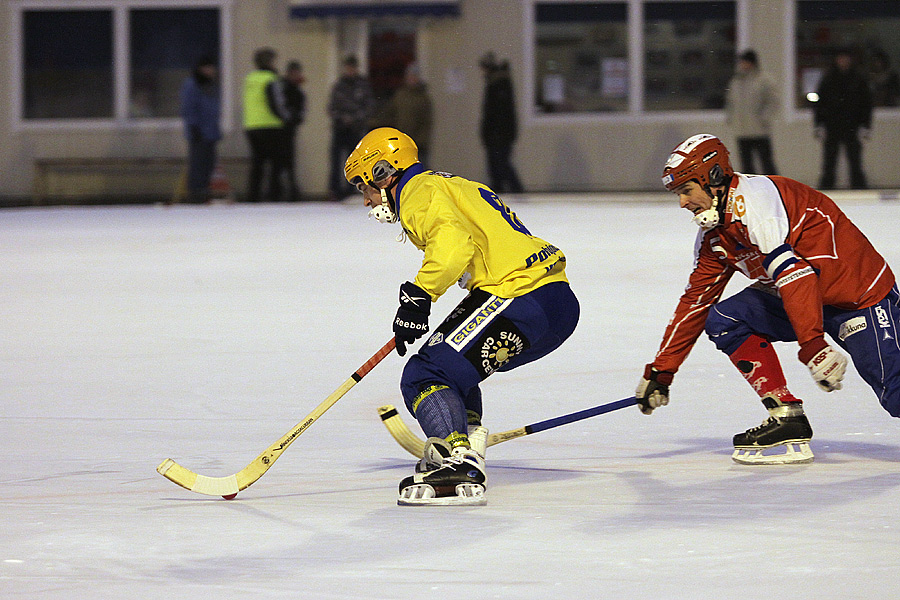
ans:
(410, 111)
(750, 106)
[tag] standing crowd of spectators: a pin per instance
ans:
(274, 106)
(842, 112)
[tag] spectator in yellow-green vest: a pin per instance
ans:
(264, 112)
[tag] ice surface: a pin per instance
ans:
(133, 334)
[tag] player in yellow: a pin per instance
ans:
(519, 307)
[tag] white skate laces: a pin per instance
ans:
(459, 479)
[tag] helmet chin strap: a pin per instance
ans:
(709, 218)
(384, 212)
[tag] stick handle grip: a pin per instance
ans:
(376, 358)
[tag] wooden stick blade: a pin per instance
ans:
(210, 486)
(400, 432)
(232, 484)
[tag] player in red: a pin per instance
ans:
(815, 273)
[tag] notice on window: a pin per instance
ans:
(614, 78)
(554, 88)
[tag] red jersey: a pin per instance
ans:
(792, 239)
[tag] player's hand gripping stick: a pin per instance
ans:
(411, 321)
(653, 389)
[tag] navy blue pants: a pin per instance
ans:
(485, 334)
(201, 164)
(868, 335)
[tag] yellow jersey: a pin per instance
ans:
(467, 233)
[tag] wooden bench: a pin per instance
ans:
(49, 172)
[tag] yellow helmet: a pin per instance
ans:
(381, 153)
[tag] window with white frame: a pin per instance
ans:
(632, 56)
(867, 28)
(689, 50)
(67, 64)
(165, 45)
(581, 57)
(105, 61)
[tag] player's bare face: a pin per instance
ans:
(371, 195)
(692, 197)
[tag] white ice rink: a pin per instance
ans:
(133, 334)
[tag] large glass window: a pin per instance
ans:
(868, 28)
(689, 50)
(581, 57)
(68, 64)
(111, 60)
(632, 56)
(165, 45)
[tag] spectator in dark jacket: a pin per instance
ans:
(498, 125)
(201, 109)
(351, 108)
(843, 116)
(884, 80)
(295, 106)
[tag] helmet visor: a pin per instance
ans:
(358, 183)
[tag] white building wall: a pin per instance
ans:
(555, 153)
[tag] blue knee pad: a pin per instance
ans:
(726, 332)
(750, 311)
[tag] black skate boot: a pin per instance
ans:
(786, 426)
(459, 478)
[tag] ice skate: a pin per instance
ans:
(445, 477)
(786, 428)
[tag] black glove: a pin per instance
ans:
(411, 321)
(653, 389)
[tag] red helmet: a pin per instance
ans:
(702, 157)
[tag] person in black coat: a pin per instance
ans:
(351, 106)
(295, 106)
(498, 125)
(843, 117)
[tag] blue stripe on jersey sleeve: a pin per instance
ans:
(778, 260)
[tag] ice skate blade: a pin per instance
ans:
(467, 494)
(795, 453)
